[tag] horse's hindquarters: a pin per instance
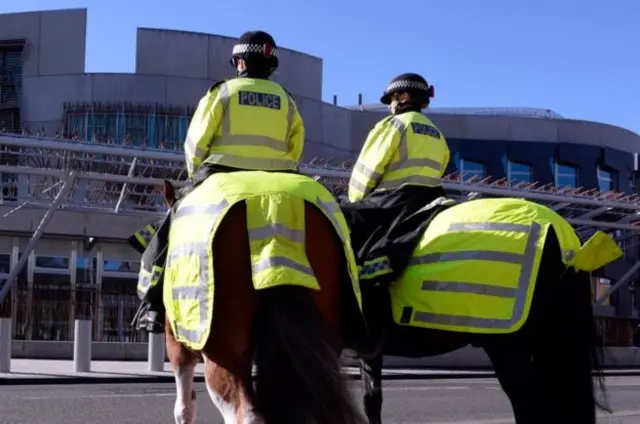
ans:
(324, 251)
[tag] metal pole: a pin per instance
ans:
(5, 345)
(5, 285)
(82, 345)
(623, 280)
(60, 145)
(156, 352)
(124, 186)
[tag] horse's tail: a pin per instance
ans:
(299, 379)
(571, 352)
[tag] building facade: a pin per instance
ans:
(45, 91)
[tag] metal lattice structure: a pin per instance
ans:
(106, 174)
(55, 174)
(524, 112)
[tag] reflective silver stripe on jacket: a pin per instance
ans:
(227, 139)
(146, 279)
(519, 294)
(198, 248)
(331, 208)
(147, 234)
(402, 163)
(273, 230)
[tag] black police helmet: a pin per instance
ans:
(413, 84)
(256, 46)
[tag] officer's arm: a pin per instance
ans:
(204, 124)
(296, 136)
(382, 142)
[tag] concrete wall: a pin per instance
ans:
(176, 67)
(53, 246)
(328, 127)
(73, 224)
(206, 57)
(55, 40)
(333, 131)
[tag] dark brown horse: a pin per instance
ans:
(292, 333)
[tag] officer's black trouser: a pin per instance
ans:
(385, 224)
(206, 170)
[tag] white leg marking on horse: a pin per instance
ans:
(228, 410)
(184, 410)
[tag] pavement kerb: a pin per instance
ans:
(155, 379)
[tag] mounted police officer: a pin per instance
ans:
(248, 122)
(243, 123)
(397, 173)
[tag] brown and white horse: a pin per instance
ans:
(293, 335)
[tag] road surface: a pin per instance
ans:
(475, 401)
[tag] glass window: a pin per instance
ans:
(605, 179)
(121, 266)
(520, 172)
(52, 262)
(86, 270)
(566, 176)
(471, 169)
(5, 263)
(52, 265)
(50, 311)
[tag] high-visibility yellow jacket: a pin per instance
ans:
(475, 268)
(245, 123)
(405, 149)
(275, 205)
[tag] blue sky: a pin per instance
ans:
(580, 58)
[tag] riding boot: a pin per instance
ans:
(371, 374)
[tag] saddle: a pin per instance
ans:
(391, 253)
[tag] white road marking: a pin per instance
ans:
(141, 395)
(112, 395)
(420, 388)
(408, 388)
(619, 414)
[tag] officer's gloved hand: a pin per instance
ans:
(154, 321)
(342, 199)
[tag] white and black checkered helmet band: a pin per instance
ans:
(396, 86)
(239, 49)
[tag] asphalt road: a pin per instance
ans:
(477, 401)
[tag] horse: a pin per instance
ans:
(544, 368)
(293, 334)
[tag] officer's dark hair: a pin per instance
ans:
(259, 51)
(420, 92)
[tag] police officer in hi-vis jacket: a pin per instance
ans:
(398, 172)
(243, 123)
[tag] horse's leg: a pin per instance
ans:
(228, 352)
(371, 375)
(231, 391)
(514, 369)
(567, 352)
(183, 362)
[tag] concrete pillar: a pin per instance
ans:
(156, 352)
(82, 346)
(5, 345)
